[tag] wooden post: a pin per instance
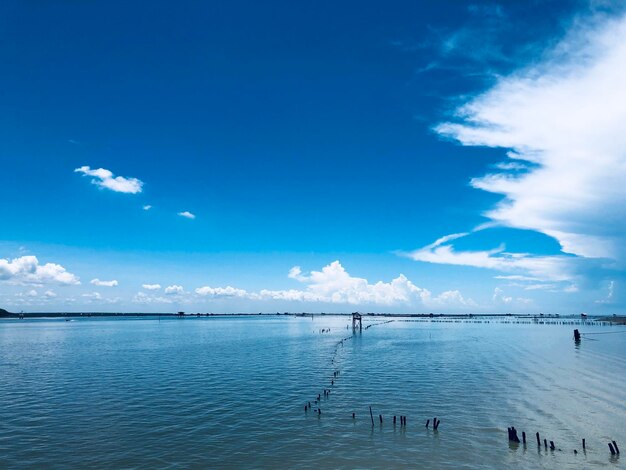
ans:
(616, 448)
(611, 449)
(427, 422)
(545, 443)
(513, 434)
(539, 440)
(524, 437)
(381, 418)
(394, 420)
(584, 444)
(576, 335)
(372, 416)
(551, 445)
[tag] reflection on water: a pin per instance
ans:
(231, 392)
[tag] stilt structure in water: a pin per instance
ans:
(357, 319)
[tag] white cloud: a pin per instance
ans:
(27, 270)
(499, 298)
(511, 166)
(174, 290)
(567, 117)
(187, 215)
(295, 273)
(147, 207)
(151, 286)
(552, 268)
(99, 283)
(31, 293)
(143, 298)
(92, 296)
(50, 294)
(334, 285)
(227, 291)
(105, 179)
(609, 296)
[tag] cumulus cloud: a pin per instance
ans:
(27, 270)
(106, 179)
(50, 294)
(174, 290)
(333, 284)
(565, 116)
(99, 283)
(151, 286)
(187, 215)
(147, 207)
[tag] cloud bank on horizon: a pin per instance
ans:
(332, 285)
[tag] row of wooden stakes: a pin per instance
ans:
(613, 448)
(402, 420)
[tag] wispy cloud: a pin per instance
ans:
(106, 179)
(98, 282)
(530, 267)
(93, 296)
(609, 296)
(143, 298)
(187, 215)
(27, 270)
(147, 207)
(499, 298)
(472, 47)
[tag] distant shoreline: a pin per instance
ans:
(33, 315)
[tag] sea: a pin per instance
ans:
(234, 392)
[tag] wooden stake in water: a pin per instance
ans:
(372, 416)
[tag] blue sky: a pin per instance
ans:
(278, 156)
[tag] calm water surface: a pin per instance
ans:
(230, 393)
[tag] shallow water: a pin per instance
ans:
(230, 393)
